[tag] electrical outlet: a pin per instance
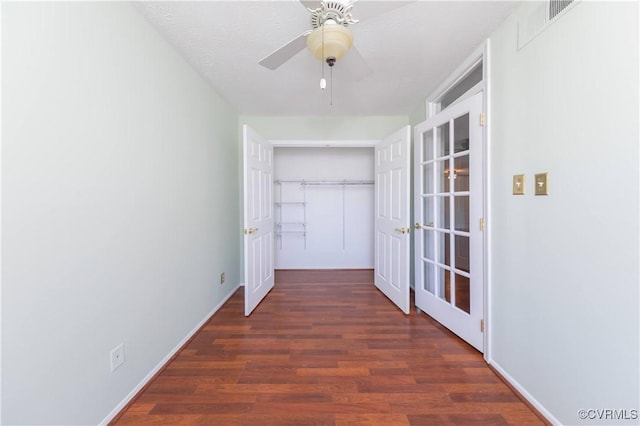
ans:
(117, 357)
(222, 278)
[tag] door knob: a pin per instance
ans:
(403, 230)
(417, 226)
(250, 230)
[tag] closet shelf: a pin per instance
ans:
(291, 213)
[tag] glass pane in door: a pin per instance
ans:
(427, 178)
(442, 175)
(462, 291)
(428, 210)
(443, 248)
(461, 133)
(427, 145)
(429, 277)
(442, 140)
(443, 210)
(462, 262)
(428, 245)
(461, 212)
(443, 279)
(461, 173)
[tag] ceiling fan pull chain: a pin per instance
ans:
(331, 88)
(323, 82)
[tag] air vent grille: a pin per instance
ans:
(536, 16)
(557, 6)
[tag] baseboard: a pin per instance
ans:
(533, 403)
(160, 366)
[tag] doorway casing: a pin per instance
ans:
(480, 56)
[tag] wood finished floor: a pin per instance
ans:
(325, 354)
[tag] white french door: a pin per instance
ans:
(258, 218)
(392, 226)
(448, 196)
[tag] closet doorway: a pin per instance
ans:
(323, 207)
(319, 207)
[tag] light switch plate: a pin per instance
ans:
(542, 184)
(518, 184)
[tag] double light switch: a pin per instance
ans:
(541, 186)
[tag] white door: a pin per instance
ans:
(449, 225)
(258, 218)
(392, 226)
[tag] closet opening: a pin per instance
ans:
(323, 213)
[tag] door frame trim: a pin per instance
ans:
(480, 53)
(324, 143)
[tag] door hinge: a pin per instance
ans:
(481, 326)
(482, 118)
(482, 223)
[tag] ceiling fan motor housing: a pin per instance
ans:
(339, 12)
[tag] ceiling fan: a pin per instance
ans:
(330, 38)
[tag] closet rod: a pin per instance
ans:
(328, 182)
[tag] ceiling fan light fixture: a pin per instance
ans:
(337, 41)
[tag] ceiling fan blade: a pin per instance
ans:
(286, 52)
(363, 10)
(355, 64)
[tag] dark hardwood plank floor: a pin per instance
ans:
(325, 354)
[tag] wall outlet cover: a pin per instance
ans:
(117, 357)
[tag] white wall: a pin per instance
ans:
(326, 128)
(418, 115)
(565, 317)
(339, 219)
(120, 206)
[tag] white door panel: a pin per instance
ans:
(448, 211)
(258, 218)
(392, 226)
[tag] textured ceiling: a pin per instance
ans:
(410, 50)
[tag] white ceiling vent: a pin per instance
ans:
(534, 17)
